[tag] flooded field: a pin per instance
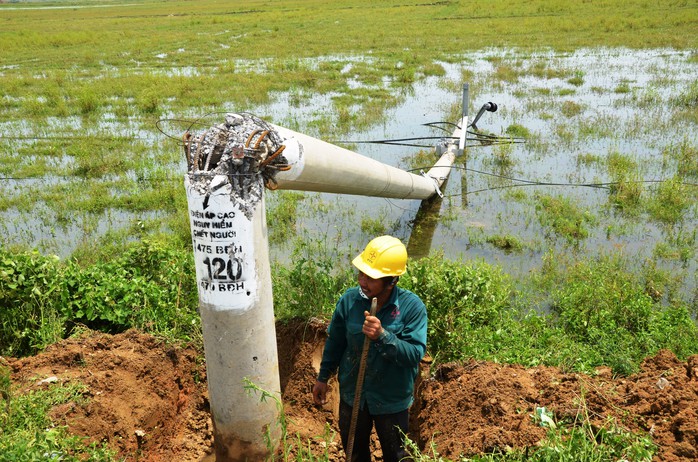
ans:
(605, 141)
(609, 164)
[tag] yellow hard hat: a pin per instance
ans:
(383, 256)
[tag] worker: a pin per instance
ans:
(398, 336)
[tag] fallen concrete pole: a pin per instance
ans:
(323, 167)
(229, 166)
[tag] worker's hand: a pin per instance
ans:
(320, 393)
(372, 326)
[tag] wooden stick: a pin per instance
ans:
(359, 386)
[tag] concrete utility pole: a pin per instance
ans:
(229, 167)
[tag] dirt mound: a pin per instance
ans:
(143, 397)
(480, 407)
(149, 401)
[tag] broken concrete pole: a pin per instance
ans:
(225, 186)
(229, 165)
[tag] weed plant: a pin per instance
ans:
(311, 284)
(506, 242)
(599, 312)
(149, 287)
(583, 443)
(564, 218)
(292, 447)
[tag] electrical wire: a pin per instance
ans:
(190, 123)
(525, 182)
(606, 186)
(436, 125)
(485, 139)
(482, 137)
(75, 137)
(522, 180)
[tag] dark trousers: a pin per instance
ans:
(389, 428)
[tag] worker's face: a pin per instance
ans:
(373, 287)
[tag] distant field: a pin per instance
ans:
(60, 34)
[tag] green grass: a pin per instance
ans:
(148, 287)
(583, 442)
(599, 313)
(564, 218)
(28, 432)
(506, 242)
(70, 80)
(671, 201)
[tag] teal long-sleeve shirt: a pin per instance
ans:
(392, 362)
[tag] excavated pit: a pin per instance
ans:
(149, 401)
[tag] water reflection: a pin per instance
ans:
(424, 226)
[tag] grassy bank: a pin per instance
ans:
(600, 315)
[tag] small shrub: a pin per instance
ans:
(506, 242)
(459, 298)
(310, 285)
(601, 305)
(564, 218)
(670, 200)
(571, 109)
(149, 286)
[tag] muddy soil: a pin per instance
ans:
(149, 401)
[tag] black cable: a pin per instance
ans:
(400, 141)
(434, 125)
(525, 182)
(76, 137)
(588, 185)
(159, 121)
(496, 137)
(493, 139)
(493, 188)
(63, 177)
(191, 122)
(529, 182)
(395, 140)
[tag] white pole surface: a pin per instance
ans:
(237, 317)
(323, 167)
